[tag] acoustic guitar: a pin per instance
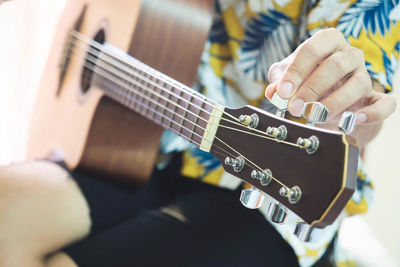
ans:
(110, 88)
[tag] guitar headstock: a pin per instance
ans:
(307, 170)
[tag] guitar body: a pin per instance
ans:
(94, 132)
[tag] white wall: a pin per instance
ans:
(26, 29)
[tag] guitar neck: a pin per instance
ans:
(152, 94)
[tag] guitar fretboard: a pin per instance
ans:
(161, 99)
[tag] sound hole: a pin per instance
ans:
(90, 60)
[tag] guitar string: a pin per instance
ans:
(92, 68)
(263, 134)
(255, 165)
(216, 145)
(196, 115)
(165, 78)
(156, 85)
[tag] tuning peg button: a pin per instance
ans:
(280, 103)
(251, 198)
(277, 213)
(347, 122)
(307, 233)
(314, 112)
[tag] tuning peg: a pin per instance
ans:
(280, 103)
(307, 233)
(347, 122)
(249, 120)
(251, 198)
(293, 194)
(314, 112)
(310, 144)
(237, 163)
(265, 176)
(277, 213)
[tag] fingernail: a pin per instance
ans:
(286, 90)
(296, 107)
(361, 118)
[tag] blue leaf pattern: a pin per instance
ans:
(268, 39)
(218, 32)
(207, 160)
(369, 15)
(390, 67)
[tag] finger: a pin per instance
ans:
(355, 88)
(307, 56)
(276, 70)
(329, 73)
(270, 90)
(379, 107)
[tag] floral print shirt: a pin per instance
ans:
(246, 38)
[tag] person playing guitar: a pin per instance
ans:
(342, 54)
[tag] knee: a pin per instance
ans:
(41, 208)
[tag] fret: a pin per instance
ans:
(196, 119)
(136, 105)
(174, 109)
(131, 103)
(147, 94)
(185, 108)
(153, 116)
(128, 97)
(158, 98)
(142, 97)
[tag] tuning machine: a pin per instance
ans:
(265, 176)
(277, 213)
(314, 112)
(293, 194)
(347, 122)
(307, 233)
(237, 163)
(251, 198)
(310, 144)
(279, 133)
(280, 103)
(249, 120)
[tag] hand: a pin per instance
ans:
(327, 69)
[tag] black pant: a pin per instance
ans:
(175, 221)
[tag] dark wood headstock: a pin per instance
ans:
(327, 178)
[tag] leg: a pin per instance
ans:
(41, 211)
(205, 228)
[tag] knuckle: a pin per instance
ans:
(296, 74)
(337, 63)
(333, 33)
(363, 80)
(309, 48)
(310, 91)
(357, 54)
